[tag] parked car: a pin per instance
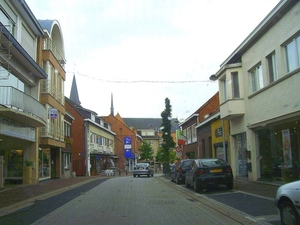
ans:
(204, 173)
(178, 173)
(143, 169)
(288, 203)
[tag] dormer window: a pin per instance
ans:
(93, 116)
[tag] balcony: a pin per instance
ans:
(47, 88)
(21, 107)
(50, 46)
(232, 108)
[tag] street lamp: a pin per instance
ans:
(214, 77)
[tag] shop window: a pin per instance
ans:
(279, 152)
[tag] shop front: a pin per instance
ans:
(279, 151)
(102, 162)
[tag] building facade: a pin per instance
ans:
(21, 113)
(197, 129)
(259, 96)
(51, 57)
(125, 161)
(92, 141)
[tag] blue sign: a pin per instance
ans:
(128, 148)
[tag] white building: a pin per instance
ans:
(21, 113)
(260, 96)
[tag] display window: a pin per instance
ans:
(279, 151)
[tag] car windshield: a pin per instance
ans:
(213, 162)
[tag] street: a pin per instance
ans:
(128, 200)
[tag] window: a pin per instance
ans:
(223, 83)
(235, 85)
(256, 78)
(67, 129)
(293, 54)
(272, 68)
(67, 160)
(193, 132)
(151, 142)
(7, 21)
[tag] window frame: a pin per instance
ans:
(272, 67)
(293, 56)
(235, 85)
(256, 77)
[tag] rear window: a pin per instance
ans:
(213, 162)
(142, 164)
(186, 163)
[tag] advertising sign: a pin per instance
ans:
(128, 148)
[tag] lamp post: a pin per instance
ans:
(214, 77)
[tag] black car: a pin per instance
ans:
(178, 172)
(204, 173)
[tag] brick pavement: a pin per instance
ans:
(22, 193)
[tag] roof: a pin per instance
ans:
(83, 112)
(147, 123)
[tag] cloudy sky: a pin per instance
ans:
(144, 51)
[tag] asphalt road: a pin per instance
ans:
(128, 200)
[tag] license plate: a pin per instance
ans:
(141, 168)
(216, 171)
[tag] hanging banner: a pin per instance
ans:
(287, 151)
(128, 148)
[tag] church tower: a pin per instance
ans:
(112, 106)
(74, 92)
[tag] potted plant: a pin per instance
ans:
(27, 172)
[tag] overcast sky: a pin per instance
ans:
(144, 51)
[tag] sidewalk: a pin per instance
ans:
(16, 197)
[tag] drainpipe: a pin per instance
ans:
(223, 137)
(87, 149)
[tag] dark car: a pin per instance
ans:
(204, 173)
(178, 173)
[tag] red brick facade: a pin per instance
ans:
(119, 127)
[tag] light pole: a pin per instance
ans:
(214, 77)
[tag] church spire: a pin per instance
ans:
(112, 106)
(74, 92)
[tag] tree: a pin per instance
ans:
(146, 151)
(168, 142)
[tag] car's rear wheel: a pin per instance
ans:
(196, 187)
(288, 214)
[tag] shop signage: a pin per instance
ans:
(128, 148)
(53, 113)
(219, 132)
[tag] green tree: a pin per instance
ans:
(168, 143)
(146, 151)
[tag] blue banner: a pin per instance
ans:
(128, 148)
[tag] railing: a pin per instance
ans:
(13, 98)
(49, 45)
(52, 90)
(52, 132)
